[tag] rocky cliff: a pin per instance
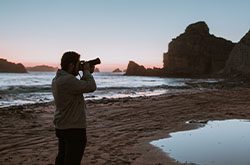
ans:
(238, 63)
(9, 67)
(196, 52)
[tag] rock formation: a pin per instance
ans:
(42, 68)
(117, 70)
(238, 63)
(135, 69)
(9, 67)
(196, 53)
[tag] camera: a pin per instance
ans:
(90, 62)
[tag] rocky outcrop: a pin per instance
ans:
(42, 68)
(117, 70)
(135, 69)
(238, 63)
(9, 67)
(196, 53)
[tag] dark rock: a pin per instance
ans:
(117, 70)
(42, 68)
(246, 39)
(155, 72)
(135, 69)
(238, 64)
(9, 67)
(196, 53)
(198, 121)
(199, 27)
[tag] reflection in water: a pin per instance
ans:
(224, 142)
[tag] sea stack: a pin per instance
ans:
(135, 69)
(196, 52)
(117, 70)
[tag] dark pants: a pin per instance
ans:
(71, 145)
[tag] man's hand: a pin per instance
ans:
(86, 67)
(89, 68)
(92, 68)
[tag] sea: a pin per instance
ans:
(35, 87)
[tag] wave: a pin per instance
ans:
(25, 89)
(47, 88)
(145, 87)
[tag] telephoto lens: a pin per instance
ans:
(90, 62)
(94, 62)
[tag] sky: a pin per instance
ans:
(36, 32)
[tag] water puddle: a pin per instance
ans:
(225, 142)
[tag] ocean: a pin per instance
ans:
(35, 87)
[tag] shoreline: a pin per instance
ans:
(166, 90)
(119, 130)
(101, 100)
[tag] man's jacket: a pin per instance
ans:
(70, 104)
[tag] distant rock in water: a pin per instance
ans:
(135, 69)
(238, 63)
(97, 70)
(9, 67)
(196, 53)
(117, 70)
(42, 68)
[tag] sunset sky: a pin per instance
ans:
(36, 32)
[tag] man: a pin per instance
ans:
(69, 116)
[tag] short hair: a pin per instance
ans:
(69, 57)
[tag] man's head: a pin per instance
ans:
(70, 62)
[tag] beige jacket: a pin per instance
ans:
(68, 94)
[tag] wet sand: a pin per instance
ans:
(119, 130)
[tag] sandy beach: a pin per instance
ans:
(119, 130)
